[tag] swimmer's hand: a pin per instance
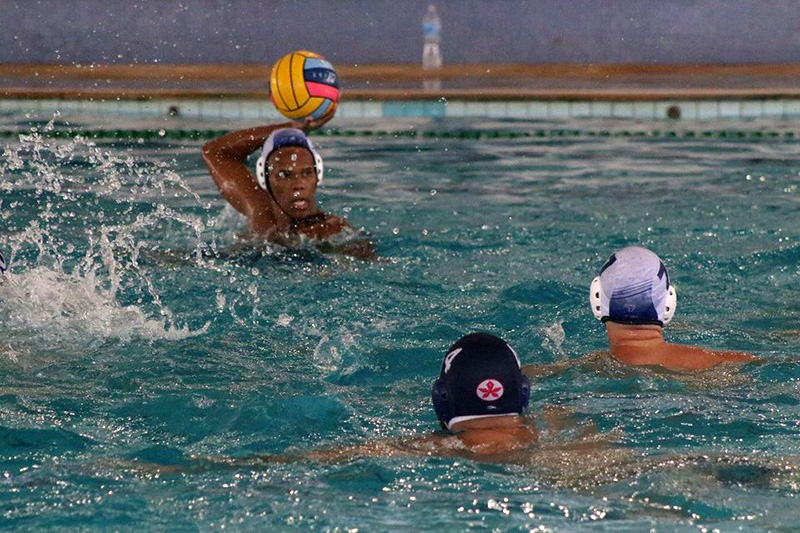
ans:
(310, 124)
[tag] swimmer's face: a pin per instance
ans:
(293, 180)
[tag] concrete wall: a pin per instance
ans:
(389, 31)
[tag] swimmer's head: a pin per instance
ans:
(283, 138)
(290, 169)
(633, 287)
(480, 377)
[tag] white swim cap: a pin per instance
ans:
(633, 288)
(279, 139)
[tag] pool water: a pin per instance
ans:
(137, 328)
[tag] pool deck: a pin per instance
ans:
(469, 82)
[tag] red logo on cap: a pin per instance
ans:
(489, 390)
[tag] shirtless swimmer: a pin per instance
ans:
(279, 201)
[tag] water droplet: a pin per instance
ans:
(396, 230)
(162, 133)
(433, 192)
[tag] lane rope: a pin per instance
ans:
(207, 134)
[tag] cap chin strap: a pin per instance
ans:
(596, 297)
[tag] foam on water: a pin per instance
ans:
(52, 291)
(57, 307)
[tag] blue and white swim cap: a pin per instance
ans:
(633, 288)
(480, 377)
(282, 138)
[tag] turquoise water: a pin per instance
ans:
(137, 329)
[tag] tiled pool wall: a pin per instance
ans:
(211, 109)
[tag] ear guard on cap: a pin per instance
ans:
(596, 301)
(596, 298)
(525, 392)
(671, 304)
(441, 399)
(261, 164)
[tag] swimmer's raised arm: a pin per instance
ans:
(226, 159)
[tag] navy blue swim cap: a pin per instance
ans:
(480, 377)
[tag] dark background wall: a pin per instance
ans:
(389, 31)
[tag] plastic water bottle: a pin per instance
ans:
(431, 30)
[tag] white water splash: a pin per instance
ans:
(338, 352)
(63, 180)
(554, 337)
(62, 307)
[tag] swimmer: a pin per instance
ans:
(633, 297)
(478, 399)
(279, 201)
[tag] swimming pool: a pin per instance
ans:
(136, 327)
